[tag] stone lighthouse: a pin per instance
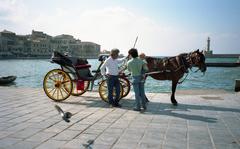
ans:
(208, 52)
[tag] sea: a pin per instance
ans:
(30, 74)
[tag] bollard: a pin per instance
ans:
(237, 85)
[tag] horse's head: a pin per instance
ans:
(198, 59)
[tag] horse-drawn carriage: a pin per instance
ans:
(75, 78)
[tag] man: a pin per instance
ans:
(111, 71)
(135, 66)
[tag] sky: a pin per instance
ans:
(163, 27)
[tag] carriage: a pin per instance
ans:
(75, 78)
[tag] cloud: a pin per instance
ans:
(13, 15)
(116, 27)
(111, 27)
(12, 11)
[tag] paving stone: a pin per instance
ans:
(149, 145)
(125, 144)
(6, 142)
(153, 137)
(93, 131)
(41, 136)
(25, 133)
(4, 134)
(75, 144)
(200, 146)
(86, 136)
(24, 145)
(175, 145)
(54, 129)
(101, 146)
(131, 136)
(79, 127)
(232, 145)
(108, 139)
(51, 144)
(66, 135)
(112, 131)
(18, 127)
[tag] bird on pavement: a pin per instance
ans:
(65, 115)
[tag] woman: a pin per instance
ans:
(135, 66)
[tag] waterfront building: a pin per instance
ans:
(41, 45)
(87, 49)
(7, 43)
(65, 43)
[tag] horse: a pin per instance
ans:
(174, 68)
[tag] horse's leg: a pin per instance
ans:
(174, 86)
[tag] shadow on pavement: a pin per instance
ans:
(181, 111)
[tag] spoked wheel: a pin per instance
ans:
(57, 85)
(126, 86)
(103, 91)
(76, 92)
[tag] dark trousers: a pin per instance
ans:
(113, 84)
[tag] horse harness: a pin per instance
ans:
(184, 62)
(181, 63)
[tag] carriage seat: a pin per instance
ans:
(82, 66)
(64, 60)
(84, 72)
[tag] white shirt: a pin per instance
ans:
(110, 66)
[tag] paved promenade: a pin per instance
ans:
(207, 120)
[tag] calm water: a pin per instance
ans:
(30, 73)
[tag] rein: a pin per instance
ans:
(183, 79)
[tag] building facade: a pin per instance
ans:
(41, 45)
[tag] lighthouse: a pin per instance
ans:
(208, 44)
(208, 52)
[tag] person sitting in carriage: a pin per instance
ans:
(111, 70)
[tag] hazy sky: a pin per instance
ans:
(163, 27)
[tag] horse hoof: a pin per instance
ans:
(175, 103)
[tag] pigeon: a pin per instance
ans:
(89, 144)
(65, 115)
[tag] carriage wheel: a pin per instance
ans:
(126, 86)
(103, 91)
(76, 92)
(57, 85)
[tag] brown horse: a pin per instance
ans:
(174, 68)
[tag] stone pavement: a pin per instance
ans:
(210, 120)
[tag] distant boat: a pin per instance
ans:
(7, 80)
